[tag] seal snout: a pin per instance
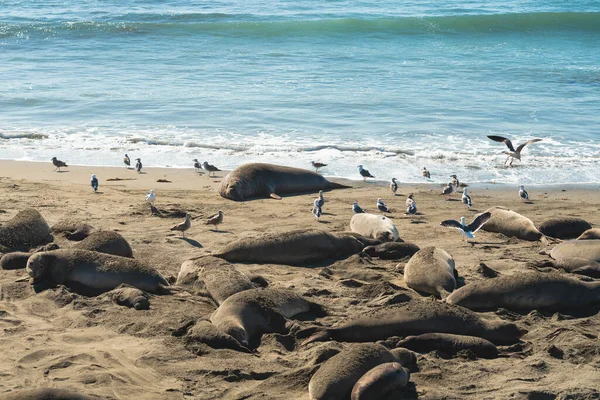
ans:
(34, 266)
(232, 191)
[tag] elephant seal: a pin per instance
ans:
(577, 265)
(380, 381)
(337, 376)
(294, 247)
(25, 230)
(392, 250)
(585, 249)
(109, 242)
(91, 273)
(374, 226)
(263, 180)
(564, 227)
(590, 234)
(47, 394)
(449, 344)
(511, 224)
(208, 334)
(527, 291)
(431, 270)
(417, 317)
(248, 314)
(73, 229)
(14, 260)
(128, 296)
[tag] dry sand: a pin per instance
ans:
(91, 345)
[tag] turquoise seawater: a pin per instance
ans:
(392, 85)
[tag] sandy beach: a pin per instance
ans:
(93, 346)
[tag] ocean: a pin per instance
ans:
(393, 85)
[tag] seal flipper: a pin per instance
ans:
(275, 196)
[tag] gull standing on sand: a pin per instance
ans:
(58, 164)
(183, 226)
(394, 186)
(320, 200)
(215, 220)
(411, 205)
(512, 153)
(356, 208)
(126, 160)
(151, 197)
(468, 230)
(209, 168)
(426, 173)
(523, 193)
(316, 210)
(455, 181)
(382, 206)
(317, 165)
(364, 173)
(466, 199)
(447, 191)
(94, 183)
(197, 165)
(138, 165)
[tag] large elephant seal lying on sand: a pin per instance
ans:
(25, 230)
(90, 273)
(527, 291)
(378, 227)
(590, 234)
(263, 180)
(564, 227)
(417, 317)
(577, 256)
(47, 394)
(294, 247)
(431, 270)
(109, 242)
(512, 224)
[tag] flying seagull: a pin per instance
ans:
(94, 183)
(468, 230)
(426, 173)
(364, 173)
(512, 153)
(58, 164)
(356, 208)
(209, 168)
(183, 226)
(523, 193)
(394, 186)
(411, 205)
(215, 219)
(317, 165)
(151, 197)
(382, 207)
(197, 165)
(138, 165)
(466, 199)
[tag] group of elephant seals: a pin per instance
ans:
(511, 224)
(527, 291)
(91, 273)
(564, 227)
(392, 250)
(431, 270)
(380, 382)
(47, 394)
(590, 234)
(25, 230)
(374, 226)
(294, 247)
(268, 180)
(417, 317)
(248, 314)
(449, 344)
(109, 242)
(337, 376)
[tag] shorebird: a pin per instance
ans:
(356, 208)
(523, 193)
(426, 173)
(58, 164)
(455, 181)
(447, 191)
(138, 165)
(394, 186)
(126, 160)
(512, 153)
(183, 226)
(382, 207)
(317, 165)
(151, 197)
(197, 165)
(209, 168)
(215, 219)
(364, 173)
(94, 183)
(466, 199)
(320, 200)
(411, 205)
(468, 230)
(316, 210)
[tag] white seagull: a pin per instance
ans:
(512, 153)
(364, 173)
(320, 201)
(468, 230)
(356, 208)
(426, 173)
(316, 210)
(151, 197)
(382, 207)
(411, 205)
(523, 193)
(466, 199)
(455, 181)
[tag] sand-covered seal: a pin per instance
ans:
(109, 242)
(590, 234)
(14, 260)
(374, 226)
(25, 230)
(73, 229)
(512, 224)
(294, 247)
(431, 270)
(248, 314)
(268, 180)
(564, 227)
(47, 394)
(392, 250)
(128, 296)
(91, 273)
(206, 333)
(449, 344)
(527, 291)
(415, 318)
(380, 382)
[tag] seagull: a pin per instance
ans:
(512, 154)
(209, 168)
(58, 164)
(94, 183)
(126, 160)
(466, 199)
(317, 165)
(455, 181)
(197, 165)
(447, 191)
(215, 219)
(426, 173)
(320, 200)
(316, 210)
(356, 208)
(523, 193)
(138, 165)
(364, 173)
(382, 207)
(468, 230)
(183, 226)
(151, 197)
(411, 205)
(394, 186)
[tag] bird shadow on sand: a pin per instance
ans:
(324, 222)
(528, 202)
(219, 231)
(142, 173)
(98, 192)
(191, 241)
(62, 172)
(452, 200)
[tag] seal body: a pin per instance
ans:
(109, 242)
(587, 249)
(73, 229)
(378, 227)
(590, 234)
(512, 224)
(380, 381)
(131, 297)
(564, 227)
(431, 270)
(449, 344)
(263, 180)
(47, 394)
(25, 230)
(14, 260)
(527, 292)
(91, 273)
(392, 250)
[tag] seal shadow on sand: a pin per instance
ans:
(191, 241)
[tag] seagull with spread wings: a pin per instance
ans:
(468, 230)
(512, 153)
